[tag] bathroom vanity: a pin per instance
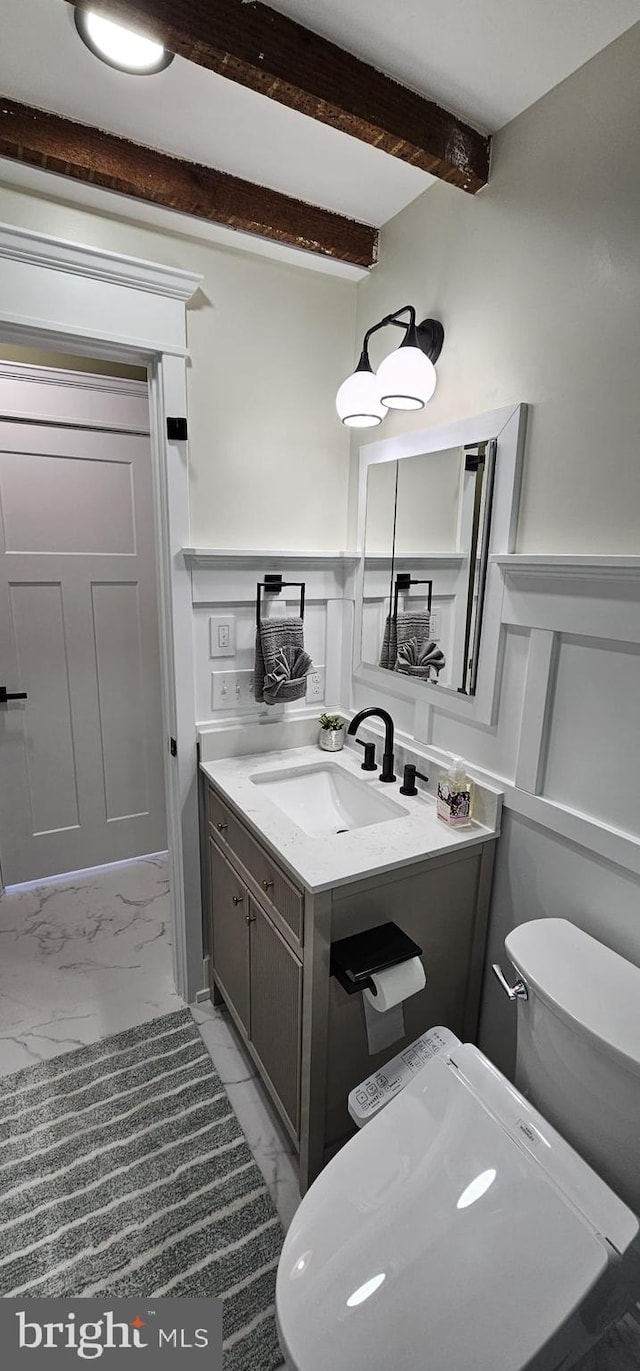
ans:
(301, 851)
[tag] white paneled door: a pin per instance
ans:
(81, 764)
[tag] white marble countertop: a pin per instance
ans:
(332, 859)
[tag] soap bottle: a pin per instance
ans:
(454, 794)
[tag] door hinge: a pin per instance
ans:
(177, 430)
(173, 747)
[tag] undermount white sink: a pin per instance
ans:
(326, 798)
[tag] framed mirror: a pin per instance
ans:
(434, 508)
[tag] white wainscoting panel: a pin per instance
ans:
(540, 667)
(593, 740)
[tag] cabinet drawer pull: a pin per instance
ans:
(249, 918)
(222, 828)
(237, 899)
(267, 885)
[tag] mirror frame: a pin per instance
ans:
(507, 427)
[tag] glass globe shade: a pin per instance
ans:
(406, 379)
(358, 401)
(119, 46)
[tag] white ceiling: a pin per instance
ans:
(488, 61)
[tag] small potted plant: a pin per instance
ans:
(331, 735)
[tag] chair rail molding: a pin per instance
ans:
(252, 557)
(80, 299)
(554, 566)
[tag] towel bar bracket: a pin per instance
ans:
(404, 581)
(273, 584)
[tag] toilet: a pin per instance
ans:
(473, 1226)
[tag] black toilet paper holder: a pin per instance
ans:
(354, 960)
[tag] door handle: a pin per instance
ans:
(6, 695)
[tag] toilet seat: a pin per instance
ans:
(456, 1232)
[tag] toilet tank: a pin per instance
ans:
(578, 1053)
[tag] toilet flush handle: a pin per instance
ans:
(515, 992)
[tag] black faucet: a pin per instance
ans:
(387, 761)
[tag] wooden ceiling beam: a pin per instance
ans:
(87, 154)
(256, 46)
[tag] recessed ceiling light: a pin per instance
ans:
(120, 47)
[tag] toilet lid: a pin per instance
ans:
(440, 1237)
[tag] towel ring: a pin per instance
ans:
(272, 585)
(403, 582)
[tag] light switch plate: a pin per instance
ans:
(232, 691)
(222, 635)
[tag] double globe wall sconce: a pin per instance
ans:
(406, 379)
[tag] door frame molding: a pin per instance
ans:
(52, 292)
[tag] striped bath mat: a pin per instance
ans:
(124, 1172)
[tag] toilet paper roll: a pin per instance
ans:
(382, 1029)
(395, 984)
(383, 1015)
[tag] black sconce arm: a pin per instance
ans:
(428, 335)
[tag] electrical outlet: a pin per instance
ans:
(315, 684)
(434, 626)
(222, 635)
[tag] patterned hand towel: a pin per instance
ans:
(281, 664)
(389, 647)
(292, 665)
(422, 659)
(407, 624)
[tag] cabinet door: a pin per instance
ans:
(230, 933)
(276, 1008)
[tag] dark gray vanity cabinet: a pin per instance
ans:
(255, 965)
(230, 933)
(276, 1005)
(270, 945)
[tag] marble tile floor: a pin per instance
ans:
(85, 958)
(266, 1137)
